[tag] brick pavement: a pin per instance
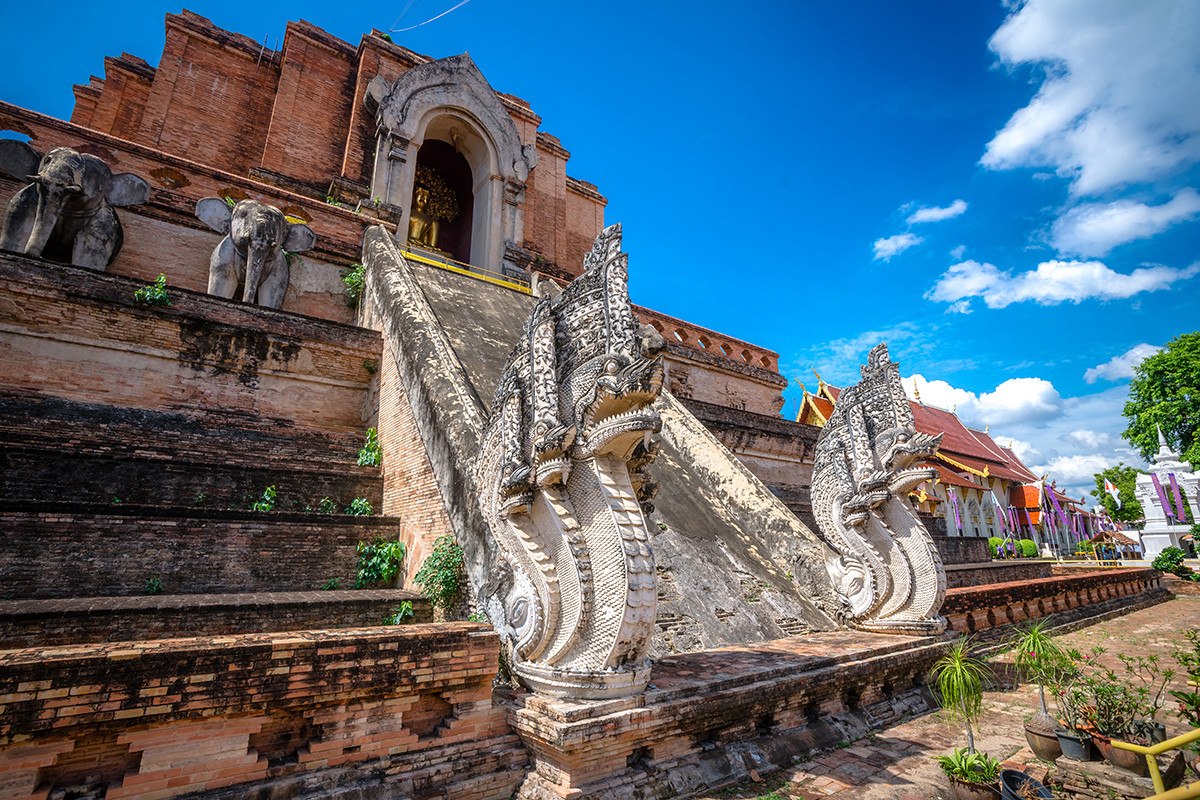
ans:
(896, 763)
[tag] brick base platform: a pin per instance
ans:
(980, 609)
(712, 718)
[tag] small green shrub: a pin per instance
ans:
(970, 766)
(387, 37)
(371, 454)
(355, 280)
(154, 585)
(1171, 560)
(331, 584)
(327, 506)
(1029, 548)
(402, 614)
(440, 577)
(154, 294)
(994, 545)
(379, 562)
(266, 502)
(370, 366)
(359, 507)
(478, 616)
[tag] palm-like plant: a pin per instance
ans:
(958, 678)
(1039, 659)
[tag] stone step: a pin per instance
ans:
(62, 550)
(53, 449)
(84, 620)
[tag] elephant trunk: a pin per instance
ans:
(48, 210)
(256, 258)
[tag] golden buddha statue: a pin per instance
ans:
(422, 226)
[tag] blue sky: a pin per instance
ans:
(1007, 194)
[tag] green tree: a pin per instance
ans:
(1125, 479)
(1165, 392)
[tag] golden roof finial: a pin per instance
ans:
(820, 382)
(987, 428)
(916, 389)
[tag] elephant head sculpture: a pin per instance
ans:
(252, 254)
(66, 212)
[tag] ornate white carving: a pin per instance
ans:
(559, 477)
(888, 572)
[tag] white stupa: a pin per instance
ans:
(1162, 529)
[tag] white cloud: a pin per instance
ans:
(1120, 367)
(1016, 400)
(960, 307)
(1092, 439)
(1118, 101)
(1024, 450)
(893, 245)
(1053, 282)
(935, 214)
(1073, 472)
(958, 252)
(1094, 229)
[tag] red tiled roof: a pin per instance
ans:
(948, 475)
(994, 470)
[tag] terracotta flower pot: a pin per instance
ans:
(1124, 759)
(1043, 744)
(965, 790)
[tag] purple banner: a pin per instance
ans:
(1162, 496)
(1179, 515)
(1057, 508)
(954, 502)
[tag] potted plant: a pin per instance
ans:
(1151, 682)
(972, 775)
(1071, 699)
(1115, 704)
(957, 679)
(1038, 658)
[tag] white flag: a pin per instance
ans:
(1110, 489)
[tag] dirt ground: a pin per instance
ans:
(896, 763)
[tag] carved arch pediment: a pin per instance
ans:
(403, 108)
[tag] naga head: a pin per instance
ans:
(560, 480)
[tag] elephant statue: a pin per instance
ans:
(66, 212)
(252, 253)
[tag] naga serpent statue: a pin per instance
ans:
(887, 573)
(561, 487)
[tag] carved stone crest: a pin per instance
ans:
(888, 573)
(560, 486)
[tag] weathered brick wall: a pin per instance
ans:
(76, 334)
(307, 137)
(778, 451)
(410, 491)
(63, 550)
(212, 95)
(272, 715)
(958, 549)
(40, 623)
(958, 575)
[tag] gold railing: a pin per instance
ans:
(462, 268)
(1189, 792)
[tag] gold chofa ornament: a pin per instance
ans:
(433, 202)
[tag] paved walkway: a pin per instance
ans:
(897, 764)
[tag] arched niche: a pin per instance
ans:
(450, 101)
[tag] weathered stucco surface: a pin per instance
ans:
(725, 533)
